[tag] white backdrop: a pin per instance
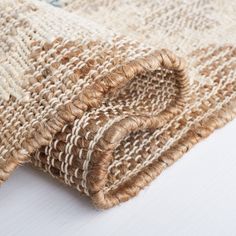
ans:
(196, 196)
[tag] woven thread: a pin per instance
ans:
(100, 111)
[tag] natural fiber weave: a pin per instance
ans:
(95, 95)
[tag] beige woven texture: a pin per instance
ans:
(104, 95)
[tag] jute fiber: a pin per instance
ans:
(104, 95)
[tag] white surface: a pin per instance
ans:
(196, 196)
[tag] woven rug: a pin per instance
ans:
(104, 95)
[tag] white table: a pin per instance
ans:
(196, 196)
